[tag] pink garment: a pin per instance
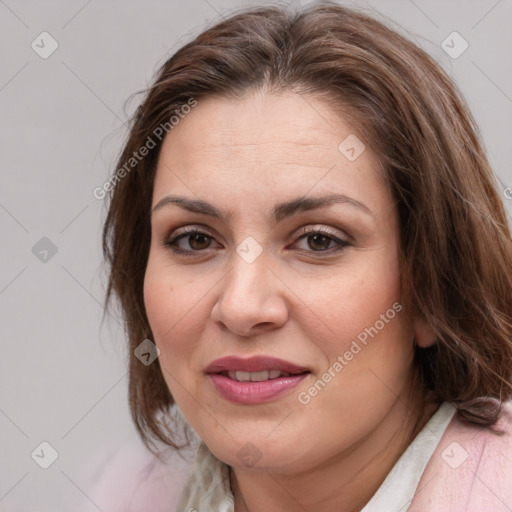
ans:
(470, 471)
(481, 483)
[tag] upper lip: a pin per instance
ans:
(253, 364)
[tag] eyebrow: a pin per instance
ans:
(280, 211)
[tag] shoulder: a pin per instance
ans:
(135, 480)
(470, 470)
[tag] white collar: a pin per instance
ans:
(397, 491)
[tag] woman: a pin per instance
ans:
(315, 270)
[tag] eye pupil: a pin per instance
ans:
(321, 239)
(201, 238)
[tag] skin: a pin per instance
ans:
(295, 301)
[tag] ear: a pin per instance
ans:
(423, 333)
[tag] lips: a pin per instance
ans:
(255, 380)
(254, 364)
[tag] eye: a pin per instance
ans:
(321, 240)
(196, 240)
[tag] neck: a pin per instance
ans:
(347, 481)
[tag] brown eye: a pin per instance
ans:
(199, 241)
(321, 240)
(190, 242)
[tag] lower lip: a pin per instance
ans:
(254, 392)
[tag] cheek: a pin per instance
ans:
(175, 307)
(165, 296)
(367, 331)
(353, 300)
(163, 309)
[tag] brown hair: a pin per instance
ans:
(456, 247)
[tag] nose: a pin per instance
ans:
(252, 299)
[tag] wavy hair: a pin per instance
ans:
(455, 241)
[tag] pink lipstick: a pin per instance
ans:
(254, 380)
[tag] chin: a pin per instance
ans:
(256, 450)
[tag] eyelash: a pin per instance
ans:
(304, 233)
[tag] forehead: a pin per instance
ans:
(258, 120)
(286, 144)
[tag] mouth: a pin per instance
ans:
(255, 380)
(242, 376)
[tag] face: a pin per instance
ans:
(301, 297)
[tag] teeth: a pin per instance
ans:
(256, 376)
(242, 376)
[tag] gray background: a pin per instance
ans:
(63, 376)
